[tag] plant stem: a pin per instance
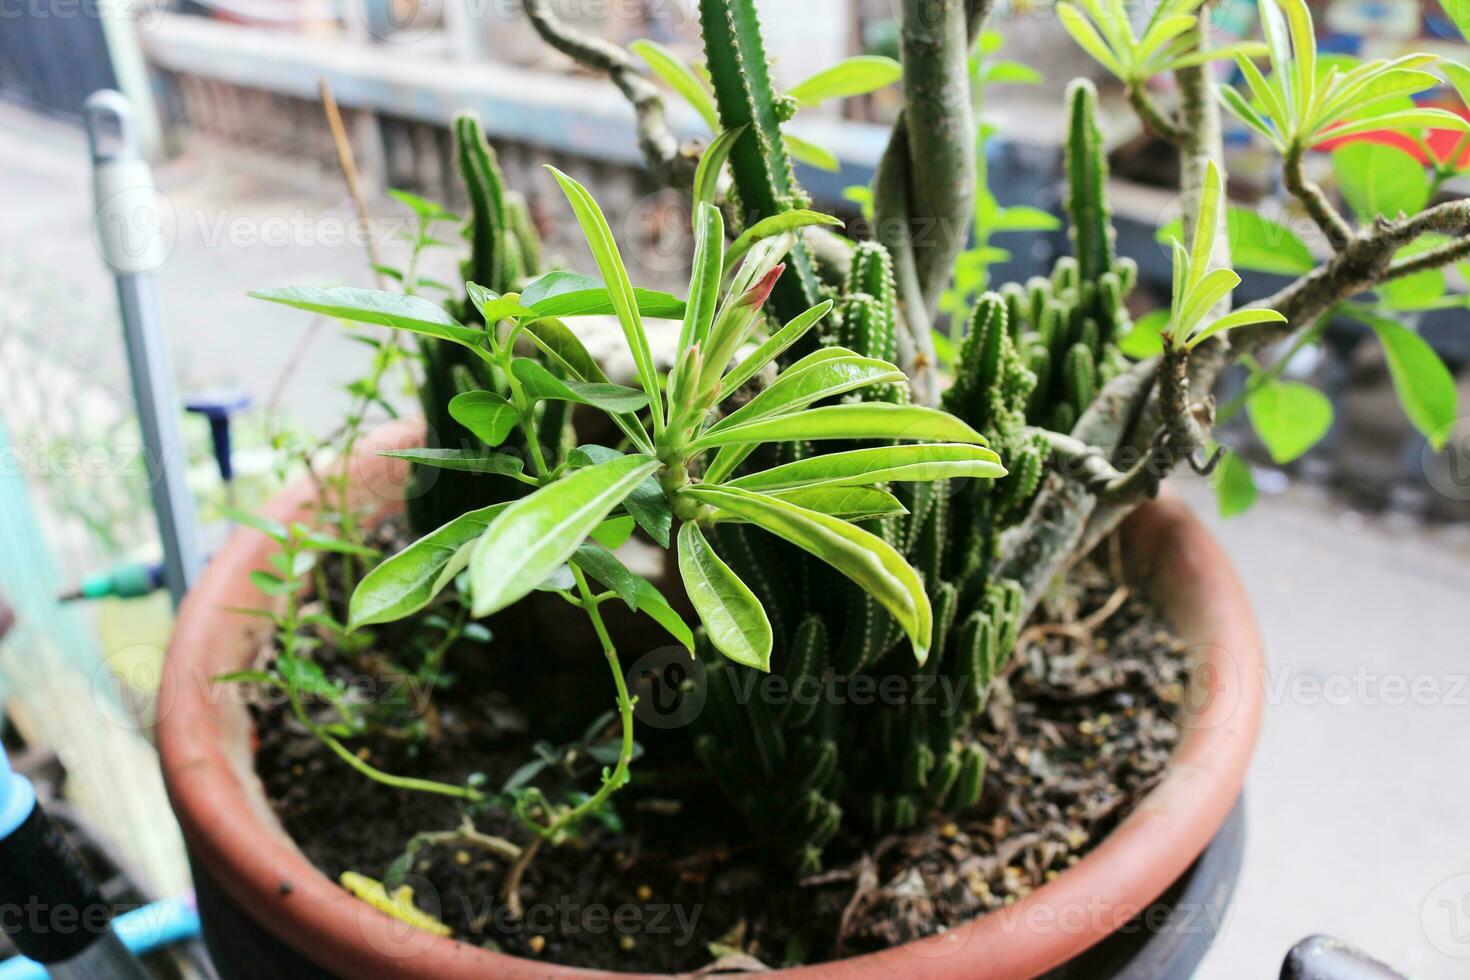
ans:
(619, 776)
(1337, 230)
(1152, 114)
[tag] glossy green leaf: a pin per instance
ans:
(567, 294)
(1290, 418)
(737, 623)
(489, 416)
(1378, 179)
(798, 387)
(919, 463)
(1146, 339)
(1407, 120)
(681, 78)
(777, 224)
(774, 347)
(539, 532)
(866, 559)
(646, 504)
(706, 276)
(712, 165)
(854, 76)
(408, 581)
(1425, 387)
(463, 460)
(811, 154)
(396, 310)
(1257, 243)
(561, 344)
(869, 420)
(605, 252)
(494, 307)
(847, 503)
(1234, 321)
(605, 567)
(542, 385)
(614, 532)
(653, 604)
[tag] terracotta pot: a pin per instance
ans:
(205, 743)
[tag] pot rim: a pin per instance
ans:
(205, 744)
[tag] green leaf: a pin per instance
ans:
(423, 207)
(1290, 418)
(1458, 74)
(681, 78)
(869, 420)
(567, 294)
(706, 276)
(1233, 321)
(854, 76)
(1378, 179)
(1146, 339)
(489, 416)
(774, 347)
(712, 165)
(653, 604)
(776, 224)
(847, 503)
(1235, 487)
(614, 532)
(1087, 37)
(646, 504)
(1024, 218)
(463, 460)
(604, 566)
(1425, 387)
(559, 343)
(494, 307)
(537, 533)
(1242, 110)
(610, 263)
(274, 530)
(1257, 243)
(811, 154)
(1011, 73)
(737, 623)
(866, 559)
(378, 307)
(799, 386)
(542, 385)
(1409, 119)
(409, 580)
(270, 583)
(1207, 225)
(920, 463)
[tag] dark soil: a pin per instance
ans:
(1079, 734)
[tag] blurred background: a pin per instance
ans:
(1357, 554)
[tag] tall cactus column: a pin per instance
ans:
(764, 183)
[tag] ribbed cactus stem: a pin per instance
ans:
(764, 182)
(1087, 176)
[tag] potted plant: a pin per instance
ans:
(820, 515)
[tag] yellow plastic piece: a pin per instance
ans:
(399, 904)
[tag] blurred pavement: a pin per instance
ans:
(1359, 799)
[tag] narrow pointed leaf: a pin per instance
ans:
(1411, 119)
(536, 534)
(866, 559)
(379, 307)
(773, 347)
(795, 389)
(854, 76)
(647, 504)
(778, 224)
(846, 503)
(605, 567)
(712, 165)
(919, 463)
(1232, 321)
(871, 420)
(542, 385)
(567, 294)
(408, 581)
(463, 460)
(1087, 37)
(1204, 297)
(811, 154)
(681, 78)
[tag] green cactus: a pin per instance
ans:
(1087, 177)
(765, 184)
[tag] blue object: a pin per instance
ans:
(218, 407)
(17, 797)
(141, 931)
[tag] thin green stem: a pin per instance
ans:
(612, 782)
